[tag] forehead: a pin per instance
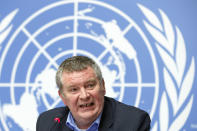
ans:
(78, 76)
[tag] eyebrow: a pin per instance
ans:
(91, 80)
(88, 81)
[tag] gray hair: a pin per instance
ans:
(77, 63)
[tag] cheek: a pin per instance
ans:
(71, 102)
(99, 96)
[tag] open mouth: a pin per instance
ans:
(86, 105)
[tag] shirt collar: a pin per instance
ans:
(72, 125)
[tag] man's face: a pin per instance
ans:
(83, 94)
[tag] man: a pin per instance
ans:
(82, 89)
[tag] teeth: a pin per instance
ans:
(86, 105)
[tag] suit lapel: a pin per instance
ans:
(107, 116)
(64, 128)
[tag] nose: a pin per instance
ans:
(84, 94)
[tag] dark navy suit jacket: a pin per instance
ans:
(116, 116)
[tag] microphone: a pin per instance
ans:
(56, 124)
(56, 119)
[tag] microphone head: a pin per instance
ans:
(57, 120)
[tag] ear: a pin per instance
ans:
(62, 96)
(59, 93)
(103, 87)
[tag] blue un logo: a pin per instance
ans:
(33, 52)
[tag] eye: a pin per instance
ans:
(73, 89)
(90, 85)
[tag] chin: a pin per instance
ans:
(88, 115)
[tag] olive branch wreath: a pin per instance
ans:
(5, 26)
(177, 79)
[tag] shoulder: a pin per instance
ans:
(128, 117)
(56, 112)
(123, 108)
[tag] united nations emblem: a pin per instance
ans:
(30, 58)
